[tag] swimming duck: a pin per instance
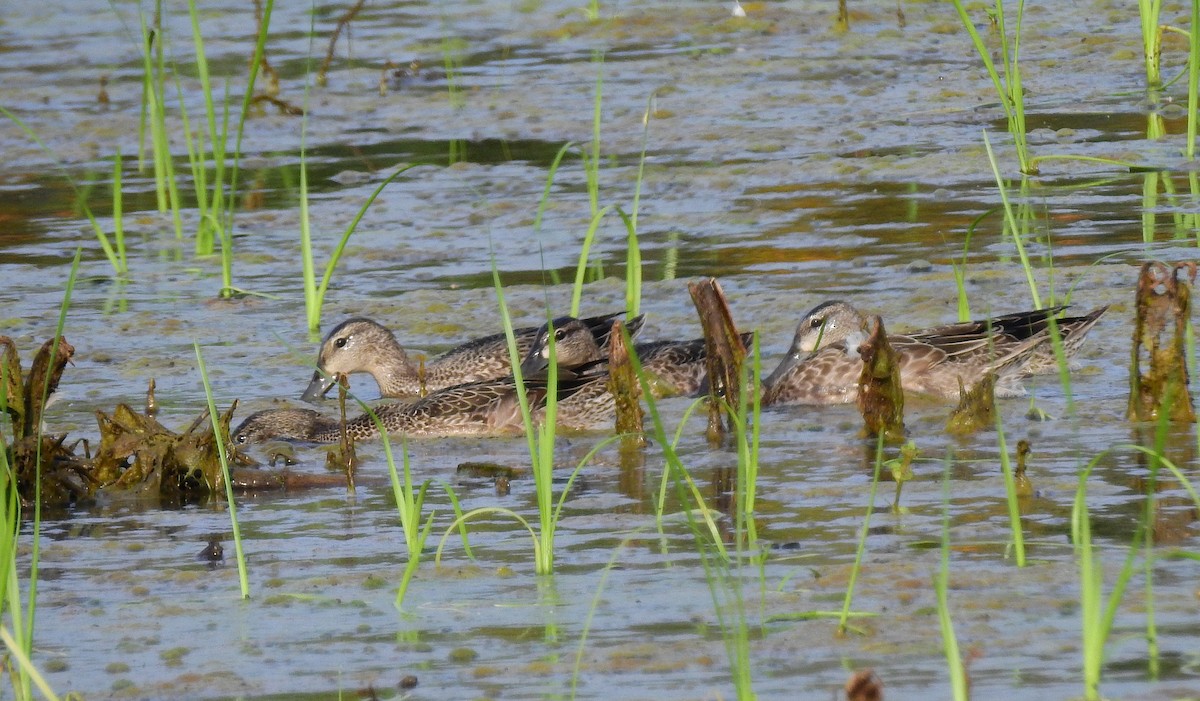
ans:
(674, 367)
(363, 345)
(487, 407)
(822, 366)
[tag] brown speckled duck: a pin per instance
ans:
(674, 367)
(822, 366)
(485, 408)
(362, 345)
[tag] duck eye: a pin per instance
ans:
(341, 342)
(240, 438)
(560, 334)
(816, 322)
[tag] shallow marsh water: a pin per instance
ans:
(794, 162)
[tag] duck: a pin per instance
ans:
(360, 345)
(483, 408)
(822, 365)
(674, 368)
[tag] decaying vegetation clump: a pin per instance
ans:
(136, 453)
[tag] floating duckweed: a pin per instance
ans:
(173, 656)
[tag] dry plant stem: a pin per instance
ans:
(1160, 329)
(151, 402)
(342, 23)
(265, 65)
(880, 397)
(344, 457)
(624, 386)
(725, 353)
(43, 365)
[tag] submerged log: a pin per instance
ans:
(1163, 307)
(724, 353)
(880, 397)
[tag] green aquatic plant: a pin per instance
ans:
(1148, 13)
(117, 216)
(540, 439)
(1011, 227)
(166, 187)
(1008, 85)
(410, 505)
(221, 439)
(22, 617)
(843, 626)
(1011, 495)
(1096, 618)
(314, 293)
(215, 211)
(941, 584)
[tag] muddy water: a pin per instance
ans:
(794, 162)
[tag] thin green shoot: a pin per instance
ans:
(591, 160)
(222, 440)
(581, 269)
(1037, 160)
(1096, 618)
(214, 144)
(409, 503)
(166, 189)
(1011, 496)
(117, 216)
(668, 475)
(1008, 88)
(960, 269)
(633, 266)
(35, 557)
(541, 210)
(1148, 11)
(1010, 222)
(539, 542)
(862, 540)
(314, 296)
(21, 645)
(27, 671)
(1193, 83)
(10, 589)
(941, 585)
(686, 487)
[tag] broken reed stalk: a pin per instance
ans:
(724, 353)
(623, 384)
(343, 459)
(342, 23)
(880, 397)
(1159, 335)
(976, 407)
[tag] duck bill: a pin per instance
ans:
(316, 388)
(534, 364)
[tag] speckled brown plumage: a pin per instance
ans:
(674, 367)
(822, 366)
(485, 408)
(362, 345)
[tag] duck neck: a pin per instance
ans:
(397, 375)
